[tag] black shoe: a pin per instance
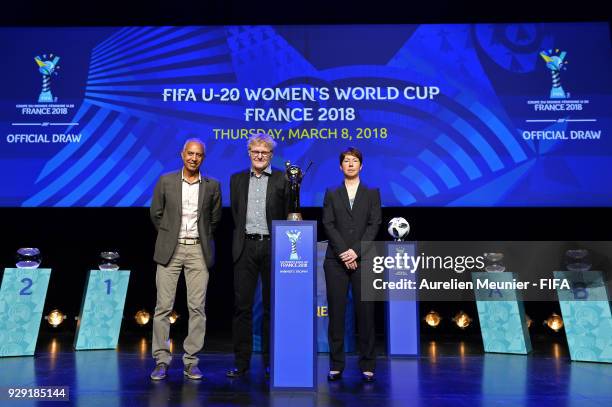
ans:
(368, 378)
(332, 377)
(235, 372)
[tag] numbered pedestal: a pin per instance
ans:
(501, 313)
(102, 309)
(293, 307)
(402, 314)
(587, 318)
(22, 299)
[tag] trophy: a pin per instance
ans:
(47, 67)
(294, 175)
(555, 62)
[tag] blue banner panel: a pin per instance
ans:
(102, 309)
(455, 115)
(293, 342)
(22, 299)
(501, 313)
(402, 315)
(322, 315)
(587, 317)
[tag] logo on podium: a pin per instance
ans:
(294, 236)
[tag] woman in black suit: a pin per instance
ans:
(351, 214)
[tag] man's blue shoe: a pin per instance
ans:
(159, 373)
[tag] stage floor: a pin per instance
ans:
(447, 374)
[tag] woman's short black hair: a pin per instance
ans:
(351, 151)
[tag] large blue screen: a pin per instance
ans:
(446, 115)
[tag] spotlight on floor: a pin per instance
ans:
(433, 319)
(173, 316)
(55, 318)
(554, 322)
(462, 320)
(142, 317)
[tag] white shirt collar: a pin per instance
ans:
(185, 179)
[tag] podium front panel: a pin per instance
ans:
(293, 308)
(402, 314)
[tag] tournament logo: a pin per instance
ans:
(558, 111)
(294, 236)
(555, 62)
(47, 66)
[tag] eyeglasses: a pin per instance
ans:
(264, 154)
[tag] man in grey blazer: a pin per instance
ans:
(185, 210)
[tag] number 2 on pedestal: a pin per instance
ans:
(26, 290)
